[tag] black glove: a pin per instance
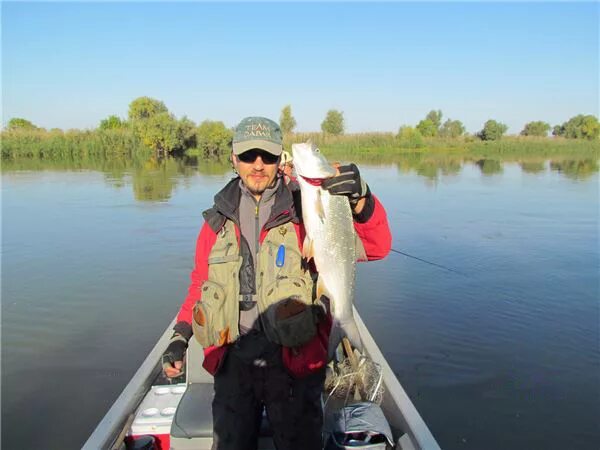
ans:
(175, 351)
(348, 183)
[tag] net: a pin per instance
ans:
(350, 384)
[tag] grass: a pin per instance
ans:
(111, 148)
(75, 144)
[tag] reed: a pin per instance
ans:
(79, 145)
(74, 144)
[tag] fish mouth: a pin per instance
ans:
(313, 181)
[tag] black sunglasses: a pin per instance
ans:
(251, 155)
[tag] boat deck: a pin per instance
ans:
(180, 414)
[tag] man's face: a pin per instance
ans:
(257, 169)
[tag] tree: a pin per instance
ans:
(286, 120)
(18, 123)
(213, 138)
(492, 130)
(435, 117)
(452, 129)
(430, 125)
(580, 127)
(162, 133)
(409, 137)
(111, 123)
(187, 129)
(333, 123)
(157, 128)
(145, 108)
(427, 128)
(537, 128)
(558, 130)
(590, 127)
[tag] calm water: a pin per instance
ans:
(95, 264)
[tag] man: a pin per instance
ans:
(250, 299)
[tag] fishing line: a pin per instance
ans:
(428, 262)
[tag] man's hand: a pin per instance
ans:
(172, 359)
(349, 183)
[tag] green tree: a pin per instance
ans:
(537, 128)
(333, 122)
(111, 123)
(213, 138)
(162, 133)
(427, 128)
(435, 117)
(452, 129)
(581, 127)
(558, 130)
(18, 123)
(409, 137)
(492, 130)
(590, 127)
(187, 129)
(145, 107)
(286, 120)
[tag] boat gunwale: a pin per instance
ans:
(107, 431)
(411, 421)
(115, 419)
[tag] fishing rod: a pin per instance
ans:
(428, 262)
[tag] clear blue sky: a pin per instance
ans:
(69, 65)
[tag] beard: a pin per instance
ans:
(258, 186)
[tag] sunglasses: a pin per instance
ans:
(251, 155)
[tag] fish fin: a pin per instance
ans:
(319, 207)
(322, 290)
(308, 249)
(359, 249)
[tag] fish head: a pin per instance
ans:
(310, 163)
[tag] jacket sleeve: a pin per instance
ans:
(204, 243)
(375, 233)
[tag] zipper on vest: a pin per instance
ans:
(256, 230)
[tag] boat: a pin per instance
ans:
(179, 416)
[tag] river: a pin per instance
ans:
(502, 352)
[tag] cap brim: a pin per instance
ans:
(267, 146)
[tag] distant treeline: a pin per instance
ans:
(151, 128)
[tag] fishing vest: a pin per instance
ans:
(286, 309)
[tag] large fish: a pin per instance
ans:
(330, 240)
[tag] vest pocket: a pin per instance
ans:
(211, 310)
(288, 308)
(199, 325)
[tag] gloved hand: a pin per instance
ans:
(172, 359)
(348, 183)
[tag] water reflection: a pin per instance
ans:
(575, 169)
(153, 178)
(532, 166)
(489, 166)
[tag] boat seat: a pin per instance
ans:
(193, 417)
(192, 425)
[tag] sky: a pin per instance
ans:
(70, 65)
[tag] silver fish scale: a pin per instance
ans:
(333, 246)
(329, 225)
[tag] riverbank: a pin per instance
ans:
(117, 144)
(507, 147)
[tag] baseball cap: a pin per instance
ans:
(257, 132)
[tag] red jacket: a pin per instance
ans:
(376, 238)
